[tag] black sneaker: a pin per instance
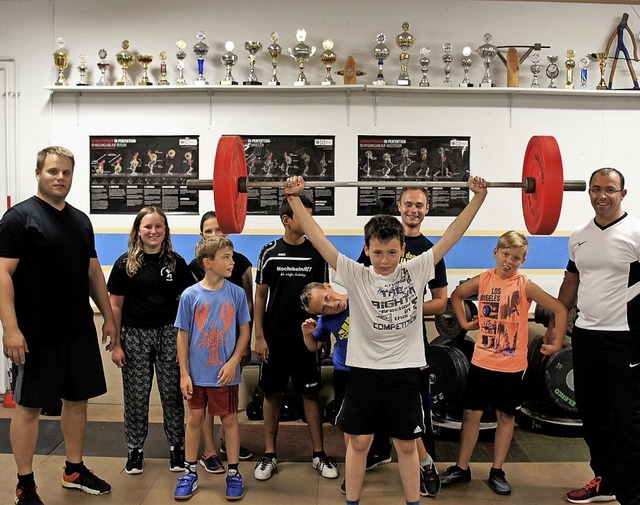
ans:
(86, 481)
(374, 460)
(176, 459)
(498, 481)
(245, 454)
(27, 496)
(455, 474)
(135, 462)
(429, 480)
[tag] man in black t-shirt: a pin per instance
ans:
(48, 270)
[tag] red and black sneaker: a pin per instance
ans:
(592, 492)
(27, 496)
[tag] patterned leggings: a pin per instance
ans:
(145, 348)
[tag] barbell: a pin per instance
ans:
(542, 184)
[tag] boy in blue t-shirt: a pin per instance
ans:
(213, 332)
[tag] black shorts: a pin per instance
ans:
(68, 369)
(488, 388)
(289, 358)
(387, 397)
(340, 381)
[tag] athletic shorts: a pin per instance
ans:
(67, 369)
(221, 401)
(340, 380)
(488, 388)
(387, 397)
(290, 359)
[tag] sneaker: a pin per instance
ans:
(455, 474)
(265, 468)
(176, 459)
(185, 486)
(235, 489)
(374, 460)
(27, 496)
(498, 481)
(245, 454)
(325, 466)
(135, 462)
(429, 480)
(212, 464)
(590, 493)
(85, 480)
(343, 487)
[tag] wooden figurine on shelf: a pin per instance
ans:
(618, 35)
(350, 72)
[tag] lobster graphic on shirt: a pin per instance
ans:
(213, 330)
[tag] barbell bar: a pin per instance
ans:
(542, 184)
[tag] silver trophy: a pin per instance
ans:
(569, 64)
(275, 50)
(200, 49)
(180, 56)
(535, 69)
(552, 71)
(466, 65)
(61, 61)
(404, 40)
(328, 58)
(82, 70)
(253, 48)
(229, 59)
(102, 66)
(380, 53)
(584, 68)
(487, 51)
(301, 53)
(424, 66)
(447, 58)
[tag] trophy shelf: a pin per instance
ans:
(80, 90)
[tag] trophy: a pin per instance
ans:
(424, 66)
(253, 48)
(603, 64)
(380, 52)
(229, 59)
(535, 69)
(102, 66)
(275, 50)
(145, 60)
(82, 70)
(552, 71)
(200, 49)
(487, 51)
(584, 66)
(61, 61)
(569, 64)
(125, 59)
(181, 55)
(328, 57)
(163, 69)
(404, 40)
(466, 65)
(301, 52)
(447, 58)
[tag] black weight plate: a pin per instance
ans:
(543, 316)
(447, 324)
(558, 379)
(447, 375)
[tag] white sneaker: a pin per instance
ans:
(265, 468)
(325, 466)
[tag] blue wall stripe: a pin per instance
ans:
(472, 252)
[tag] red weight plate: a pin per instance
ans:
(542, 162)
(229, 166)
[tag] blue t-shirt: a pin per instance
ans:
(338, 324)
(211, 317)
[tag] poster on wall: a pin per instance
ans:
(273, 158)
(131, 172)
(412, 159)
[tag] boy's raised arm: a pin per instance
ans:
(456, 229)
(295, 186)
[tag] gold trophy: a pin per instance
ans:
(61, 61)
(253, 48)
(569, 64)
(328, 58)
(124, 59)
(602, 57)
(145, 60)
(163, 69)
(404, 40)
(275, 50)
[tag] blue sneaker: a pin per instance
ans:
(185, 486)
(235, 489)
